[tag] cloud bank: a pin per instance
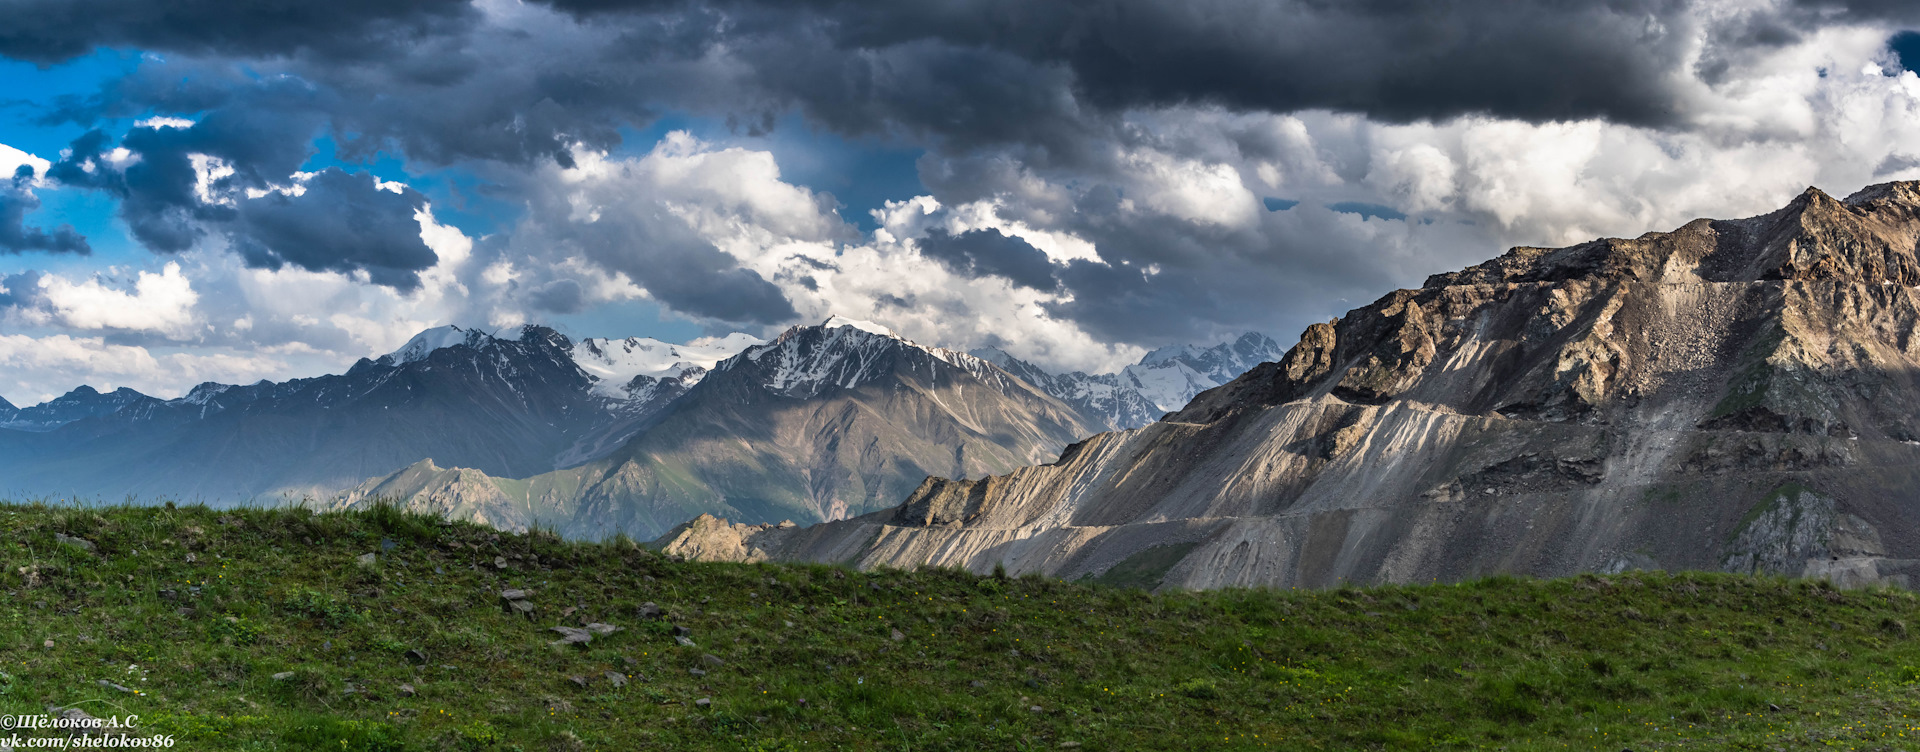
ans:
(1095, 178)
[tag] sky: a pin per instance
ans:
(215, 190)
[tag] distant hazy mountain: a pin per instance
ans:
(512, 407)
(83, 402)
(823, 423)
(1163, 381)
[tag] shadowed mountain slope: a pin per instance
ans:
(507, 406)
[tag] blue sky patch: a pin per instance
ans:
(1906, 45)
(1367, 211)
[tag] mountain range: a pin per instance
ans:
(509, 406)
(590, 436)
(1738, 395)
(821, 423)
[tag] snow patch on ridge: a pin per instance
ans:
(424, 343)
(835, 322)
(615, 362)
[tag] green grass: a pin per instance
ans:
(1640, 660)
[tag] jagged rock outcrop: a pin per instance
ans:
(1734, 394)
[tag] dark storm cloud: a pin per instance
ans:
(978, 253)
(341, 223)
(158, 184)
(558, 296)
(16, 200)
(1042, 86)
(50, 31)
(713, 286)
(447, 86)
(1396, 60)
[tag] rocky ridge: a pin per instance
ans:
(1738, 395)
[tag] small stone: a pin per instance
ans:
(499, 562)
(407, 690)
(712, 660)
(416, 657)
(684, 642)
(568, 611)
(80, 543)
(649, 610)
(696, 672)
(1773, 707)
(1036, 709)
(602, 629)
(516, 594)
(183, 611)
(976, 684)
(629, 661)
(190, 558)
(47, 644)
(111, 685)
(169, 595)
(366, 560)
(788, 623)
(616, 678)
(75, 720)
(581, 681)
(897, 636)
(1069, 745)
(387, 544)
(572, 636)
(521, 607)
(703, 703)
(283, 676)
(679, 631)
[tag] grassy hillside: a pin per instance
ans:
(196, 612)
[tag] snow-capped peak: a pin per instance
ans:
(836, 321)
(839, 353)
(1171, 352)
(614, 362)
(436, 338)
